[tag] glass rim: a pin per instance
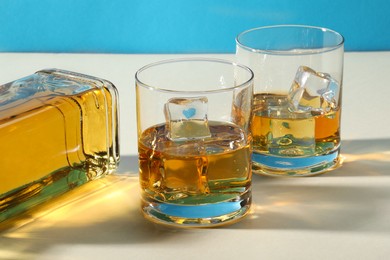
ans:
(286, 52)
(177, 60)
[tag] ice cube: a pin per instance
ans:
(184, 169)
(291, 134)
(313, 91)
(187, 118)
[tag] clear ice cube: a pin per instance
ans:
(313, 91)
(187, 118)
(184, 173)
(291, 134)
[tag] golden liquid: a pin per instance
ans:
(323, 129)
(44, 139)
(194, 172)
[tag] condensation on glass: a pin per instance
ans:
(58, 130)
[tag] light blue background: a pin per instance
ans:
(178, 26)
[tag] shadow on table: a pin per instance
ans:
(364, 158)
(351, 198)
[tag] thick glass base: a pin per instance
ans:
(272, 165)
(197, 215)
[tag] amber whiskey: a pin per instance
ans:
(195, 172)
(276, 130)
(58, 130)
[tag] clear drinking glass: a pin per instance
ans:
(297, 102)
(194, 143)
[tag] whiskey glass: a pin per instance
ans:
(298, 72)
(194, 142)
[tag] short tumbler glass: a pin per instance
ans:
(194, 143)
(297, 97)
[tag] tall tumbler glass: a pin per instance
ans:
(297, 102)
(194, 142)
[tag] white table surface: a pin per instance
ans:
(343, 214)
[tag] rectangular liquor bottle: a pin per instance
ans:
(58, 130)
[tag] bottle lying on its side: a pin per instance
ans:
(58, 130)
